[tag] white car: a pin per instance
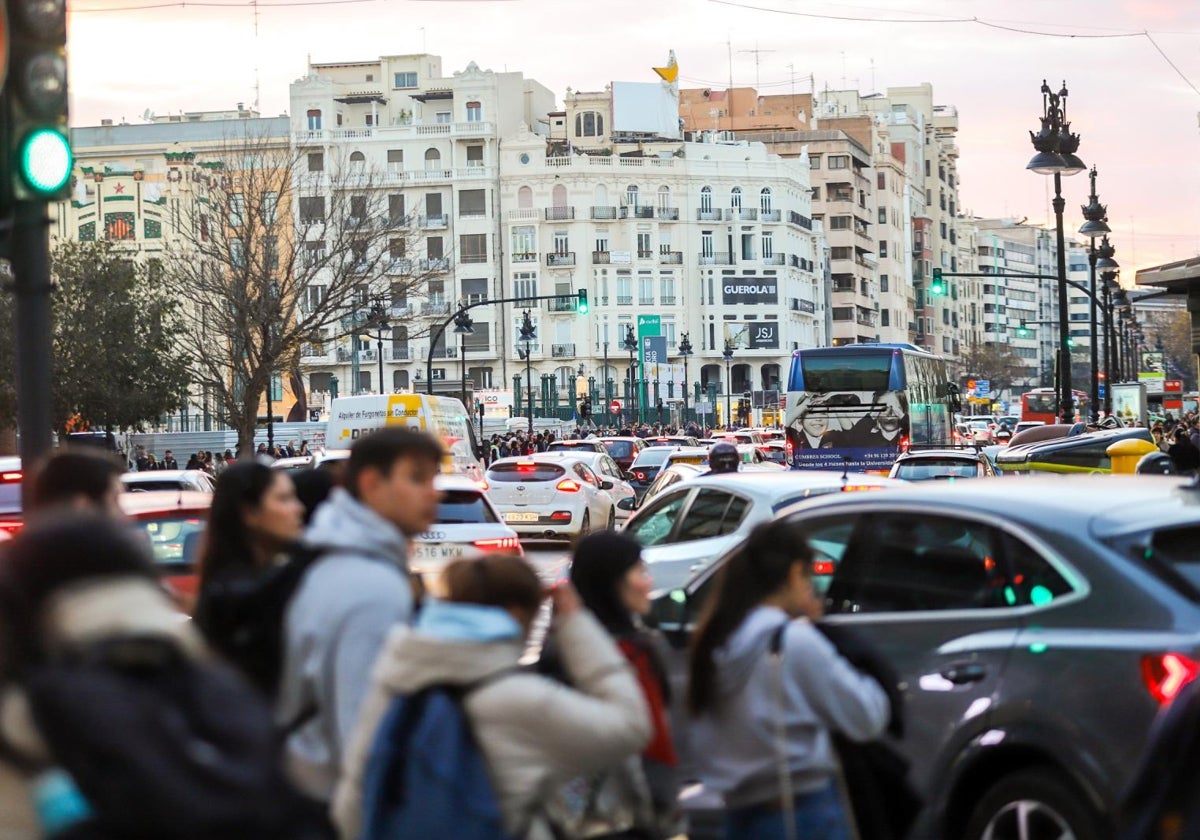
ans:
(602, 464)
(550, 496)
(300, 462)
(468, 525)
(197, 480)
(697, 520)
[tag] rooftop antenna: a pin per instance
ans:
(257, 88)
(757, 59)
(872, 75)
(729, 47)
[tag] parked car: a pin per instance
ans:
(467, 525)
(11, 477)
(142, 482)
(623, 449)
(549, 496)
(1033, 651)
(692, 523)
(299, 462)
(174, 522)
(1075, 451)
(929, 464)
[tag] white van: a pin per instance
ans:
(443, 417)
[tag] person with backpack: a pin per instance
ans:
(250, 567)
(456, 741)
(639, 797)
(123, 722)
(767, 690)
(348, 601)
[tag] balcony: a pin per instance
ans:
(796, 262)
(708, 215)
(624, 300)
(560, 214)
(668, 214)
(667, 300)
(646, 300)
(398, 266)
(745, 214)
(435, 308)
(601, 257)
(604, 213)
(670, 257)
(645, 255)
(525, 257)
(562, 351)
(774, 259)
(640, 212)
(718, 258)
(435, 264)
(449, 352)
(313, 351)
(402, 310)
(524, 214)
(843, 285)
(771, 215)
(432, 222)
(564, 304)
(370, 355)
(798, 220)
(563, 259)
(397, 354)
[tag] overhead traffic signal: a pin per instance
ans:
(1022, 331)
(938, 287)
(581, 305)
(35, 102)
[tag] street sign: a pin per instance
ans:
(654, 353)
(970, 384)
(614, 407)
(983, 387)
(704, 407)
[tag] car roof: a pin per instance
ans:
(10, 463)
(545, 458)
(164, 501)
(619, 437)
(1110, 505)
(454, 481)
(159, 475)
(588, 456)
(770, 484)
(916, 455)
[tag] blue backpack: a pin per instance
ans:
(426, 776)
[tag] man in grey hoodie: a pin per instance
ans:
(352, 596)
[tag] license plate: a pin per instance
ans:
(517, 516)
(435, 553)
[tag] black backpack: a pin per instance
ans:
(241, 615)
(164, 746)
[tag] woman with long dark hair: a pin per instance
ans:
(767, 690)
(249, 566)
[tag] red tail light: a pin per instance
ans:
(822, 567)
(10, 527)
(10, 477)
(526, 466)
(483, 485)
(567, 486)
(641, 476)
(1166, 674)
(501, 545)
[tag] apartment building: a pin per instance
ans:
(426, 147)
(710, 239)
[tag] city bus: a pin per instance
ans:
(860, 405)
(1042, 404)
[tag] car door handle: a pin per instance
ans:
(964, 672)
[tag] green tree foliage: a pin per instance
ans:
(117, 358)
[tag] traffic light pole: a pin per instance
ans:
(29, 253)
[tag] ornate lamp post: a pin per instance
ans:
(525, 349)
(377, 320)
(685, 350)
(728, 357)
(1096, 224)
(630, 344)
(1056, 147)
(463, 326)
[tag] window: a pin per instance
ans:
(645, 288)
(841, 253)
(624, 288)
(589, 124)
(735, 198)
(237, 209)
(434, 247)
(524, 243)
(706, 200)
(237, 253)
(884, 318)
(883, 248)
(525, 198)
(433, 159)
(883, 282)
(562, 242)
(396, 208)
(442, 117)
(397, 248)
(643, 246)
(839, 161)
(706, 243)
(525, 285)
(883, 215)
(881, 180)
(768, 245)
(631, 196)
(474, 156)
(815, 192)
(270, 208)
(314, 120)
(839, 223)
(713, 513)
(404, 80)
(312, 210)
(474, 112)
(316, 161)
(764, 200)
(314, 253)
(472, 248)
(395, 160)
(357, 160)
(358, 207)
(664, 198)
(655, 524)
(472, 203)
(814, 161)
(271, 252)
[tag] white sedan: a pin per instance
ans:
(197, 480)
(550, 496)
(468, 525)
(612, 479)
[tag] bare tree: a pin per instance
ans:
(994, 362)
(283, 247)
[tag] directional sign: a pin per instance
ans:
(654, 352)
(983, 387)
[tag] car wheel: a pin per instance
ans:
(585, 527)
(1034, 805)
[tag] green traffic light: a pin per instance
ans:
(581, 305)
(44, 161)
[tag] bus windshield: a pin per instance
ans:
(823, 374)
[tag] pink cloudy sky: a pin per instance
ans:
(1137, 116)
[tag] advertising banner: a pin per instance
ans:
(755, 335)
(1153, 372)
(749, 291)
(1129, 403)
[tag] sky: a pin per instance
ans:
(1138, 111)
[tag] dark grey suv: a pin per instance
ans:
(1037, 626)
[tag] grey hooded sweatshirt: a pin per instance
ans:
(336, 626)
(736, 748)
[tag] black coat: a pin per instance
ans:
(1163, 800)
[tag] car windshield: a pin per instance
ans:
(146, 486)
(653, 457)
(924, 469)
(1169, 554)
(463, 507)
(824, 374)
(524, 471)
(174, 539)
(559, 446)
(619, 448)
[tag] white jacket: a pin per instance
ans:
(535, 733)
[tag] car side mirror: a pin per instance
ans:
(668, 614)
(628, 503)
(605, 484)
(629, 476)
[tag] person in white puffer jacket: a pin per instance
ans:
(535, 733)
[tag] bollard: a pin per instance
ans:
(1125, 454)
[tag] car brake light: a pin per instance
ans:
(822, 567)
(560, 516)
(526, 466)
(641, 476)
(567, 486)
(501, 545)
(1166, 674)
(11, 526)
(482, 483)
(10, 477)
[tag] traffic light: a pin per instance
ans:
(938, 287)
(35, 102)
(581, 305)
(1022, 331)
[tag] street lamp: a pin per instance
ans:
(1056, 146)
(526, 339)
(630, 344)
(377, 320)
(1109, 282)
(1096, 224)
(463, 326)
(728, 357)
(685, 350)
